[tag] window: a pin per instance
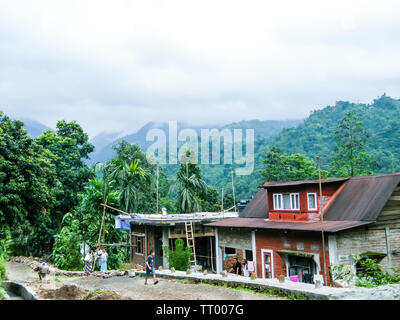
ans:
(139, 241)
(230, 250)
(286, 201)
(277, 201)
(294, 201)
(312, 201)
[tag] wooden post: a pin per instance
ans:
(157, 188)
(322, 219)
(102, 222)
(233, 191)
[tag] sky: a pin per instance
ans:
(116, 65)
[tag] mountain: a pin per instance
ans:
(33, 127)
(104, 143)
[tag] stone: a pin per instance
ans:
(160, 268)
(224, 274)
(253, 276)
(172, 269)
(281, 278)
(188, 271)
(318, 284)
(205, 272)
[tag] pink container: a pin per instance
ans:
(294, 278)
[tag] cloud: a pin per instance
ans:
(115, 66)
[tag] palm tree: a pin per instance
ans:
(188, 187)
(129, 180)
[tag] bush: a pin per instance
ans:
(179, 258)
(66, 251)
(373, 276)
(2, 267)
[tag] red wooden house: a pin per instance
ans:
(361, 215)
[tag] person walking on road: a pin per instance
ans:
(150, 267)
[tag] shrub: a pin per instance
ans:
(66, 251)
(179, 258)
(372, 275)
(2, 267)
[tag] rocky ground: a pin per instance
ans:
(121, 287)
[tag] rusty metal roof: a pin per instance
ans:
(257, 223)
(257, 207)
(298, 183)
(363, 198)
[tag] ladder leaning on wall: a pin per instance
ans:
(190, 240)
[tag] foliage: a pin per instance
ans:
(70, 148)
(29, 188)
(179, 258)
(343, 272)
(66, 252)
(2, 267)
(190, 185)
(372, 274)
(282, 167)
(350, 158)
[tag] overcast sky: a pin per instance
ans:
(115, 65)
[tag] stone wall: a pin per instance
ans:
(367, 240)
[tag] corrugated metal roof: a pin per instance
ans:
(297, 183)
(362, 198)
(257, 207)
(257, 223)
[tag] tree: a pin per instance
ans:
(129, 180)
(189, 184)
(29, 188)
(294, 167)
(350, 158)
(70, 147)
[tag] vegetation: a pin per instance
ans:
(373, 276)
(51, 200)
(179, 257)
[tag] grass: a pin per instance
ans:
(125, 266)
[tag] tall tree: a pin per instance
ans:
(350, 157)
(71, 147)
(28, 189)
(189, 185)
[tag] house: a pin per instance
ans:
(282, 227)
(154, 231)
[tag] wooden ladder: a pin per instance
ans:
(190, 240)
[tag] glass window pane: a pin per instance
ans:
(286, 202)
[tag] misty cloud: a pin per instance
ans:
(113, 66)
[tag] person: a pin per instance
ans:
(150, 267)
(104, 258)
(42, 270)
(236, 267)
(89, 263)
(98, 257)
(246, 272)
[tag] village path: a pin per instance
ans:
(134, 288)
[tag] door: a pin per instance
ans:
(268, 265)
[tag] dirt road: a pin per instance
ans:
(134, 288)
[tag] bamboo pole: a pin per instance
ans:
(322, 218)
(102, 221)
(233, 192)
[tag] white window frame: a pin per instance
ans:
(280, 199)
(142, 244)
(278, 204)
(298, 201)
(272, 262)
(316, 202)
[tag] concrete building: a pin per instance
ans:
(154, 231)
